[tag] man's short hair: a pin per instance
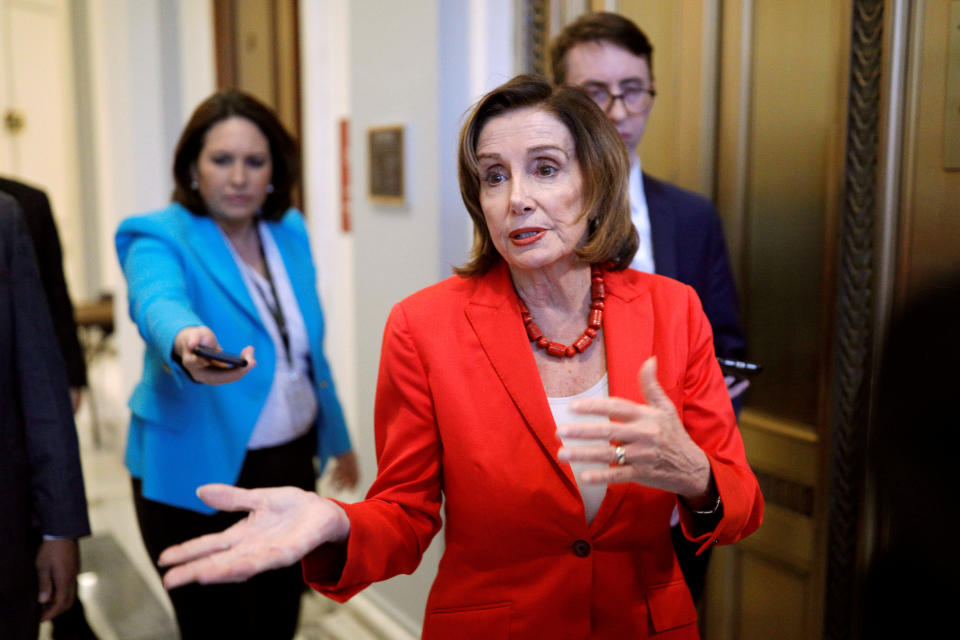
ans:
(599, 26)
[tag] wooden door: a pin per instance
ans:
(929, 226)
(780, 186)
(258, 51)
(38, 134)
(750, 112)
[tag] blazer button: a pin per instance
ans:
(581, 548)
(323, 384)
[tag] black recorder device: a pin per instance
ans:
(232, 360)
(739, 368)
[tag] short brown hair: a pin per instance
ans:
(600, 26)
(600, 154)
(284, 153)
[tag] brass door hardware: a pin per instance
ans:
(14, 121)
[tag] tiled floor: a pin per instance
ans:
(121, 592)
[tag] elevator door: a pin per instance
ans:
(751, 104)
(780, 182)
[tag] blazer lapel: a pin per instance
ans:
(661, 229)
(628, 333)
(292, 252)
(210, 249)
(628, 338)
(495, 317)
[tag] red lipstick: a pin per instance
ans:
(526, 235)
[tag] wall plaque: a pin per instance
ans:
(385, 147)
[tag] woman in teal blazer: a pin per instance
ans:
(228, 263)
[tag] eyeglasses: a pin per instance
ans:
(636, 100)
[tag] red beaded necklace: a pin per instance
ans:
(594, 322)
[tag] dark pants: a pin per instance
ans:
(694, 567)
(19, 610)
(265, 606)
(72, 624)
(20, 615)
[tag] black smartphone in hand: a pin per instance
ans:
(739, 368)
(232, 360)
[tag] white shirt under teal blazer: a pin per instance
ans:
(181, 273)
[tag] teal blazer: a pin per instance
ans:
(181, 273)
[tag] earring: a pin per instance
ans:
(269, 188)
(194, 185)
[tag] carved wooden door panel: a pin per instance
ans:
(258, 51)
(780, 184)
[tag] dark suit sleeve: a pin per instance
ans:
(56, 480)
(35, 207)
(689, 246)
(46, 242)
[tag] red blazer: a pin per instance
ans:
(461, 414)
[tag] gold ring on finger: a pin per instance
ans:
(621, 455)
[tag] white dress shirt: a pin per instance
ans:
(592, 493)
(640, 215)
(291, 406)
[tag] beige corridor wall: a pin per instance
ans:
(146, 65)
(408, 67)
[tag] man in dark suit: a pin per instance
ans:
(41, 485)
(35, 208)
(680, 232)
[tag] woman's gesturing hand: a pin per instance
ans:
(284, 524)
(656, 450)
(203, 369)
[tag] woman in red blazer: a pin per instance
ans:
(512, 391)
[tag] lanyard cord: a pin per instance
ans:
(276, 311)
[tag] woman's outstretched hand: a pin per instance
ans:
(284, 524)
(657, 450)
(203, 369)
